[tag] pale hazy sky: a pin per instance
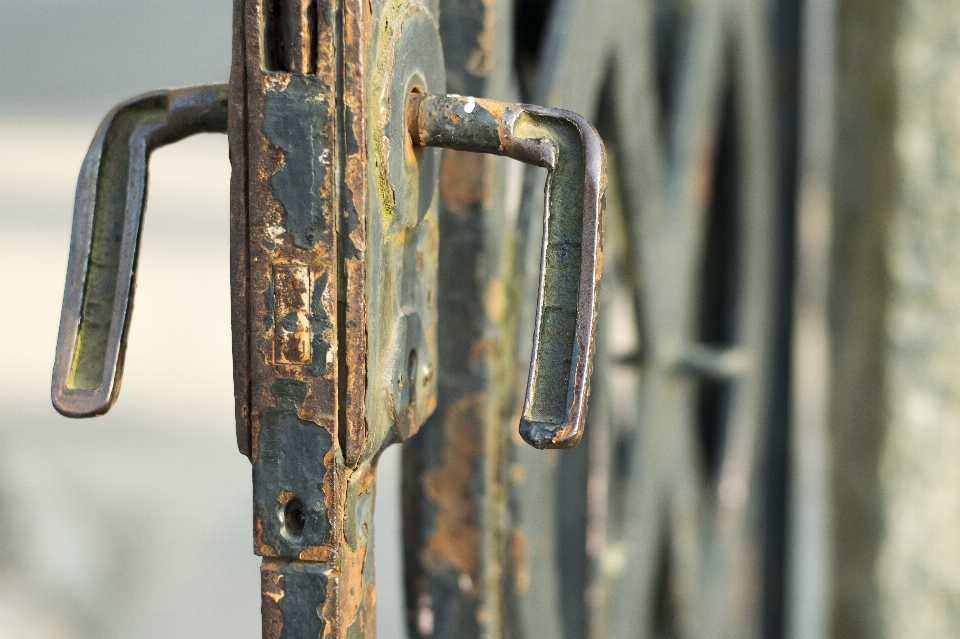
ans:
(82, 56)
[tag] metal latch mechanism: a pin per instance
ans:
(98, 299)
(334, 251)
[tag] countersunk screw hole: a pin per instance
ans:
(294, 518)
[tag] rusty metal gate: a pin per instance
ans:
(385, 291)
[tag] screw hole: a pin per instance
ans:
(412, 113)
(294, 518)
(412, 376)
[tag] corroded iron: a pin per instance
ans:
(101, 273)
(569, 147)
(339, 286)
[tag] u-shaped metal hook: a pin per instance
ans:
(570, 148)
(111, 194)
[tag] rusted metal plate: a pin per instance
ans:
(333, 287)
(285, 215)
(290, 281)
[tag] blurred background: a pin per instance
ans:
(137, 523)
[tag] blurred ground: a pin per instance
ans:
(136, 524)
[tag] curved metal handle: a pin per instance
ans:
(111, 194)
(570, 148)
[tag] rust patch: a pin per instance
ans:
(496, 301)
(332, 629)
(366, 481)
(355, 364)
(483, 617)
(322, 554)
(463, 179)
(455, 542)
(272, 589)
(371, 612)
(355, 581)
(518, 560)
(259, 547)
(357, 29)
(483, 58)
(334, 498)
(481, 351)
(351, 584)
(701, 178)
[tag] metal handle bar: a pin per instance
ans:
(570, 148)
(101, 271)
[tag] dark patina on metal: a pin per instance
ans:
(570, 148)
(111, 196)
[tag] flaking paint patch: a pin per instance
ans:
(272, 590)
(295, 120)
(291, 459)
(259, 547)
(302, 599)
(321, 325)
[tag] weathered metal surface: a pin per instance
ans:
(375, 263)
(570, 267)
(111, 196)
(341, 312)
(455, 519)
(290, 283)
(239, 232)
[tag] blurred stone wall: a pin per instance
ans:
(895, 320)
